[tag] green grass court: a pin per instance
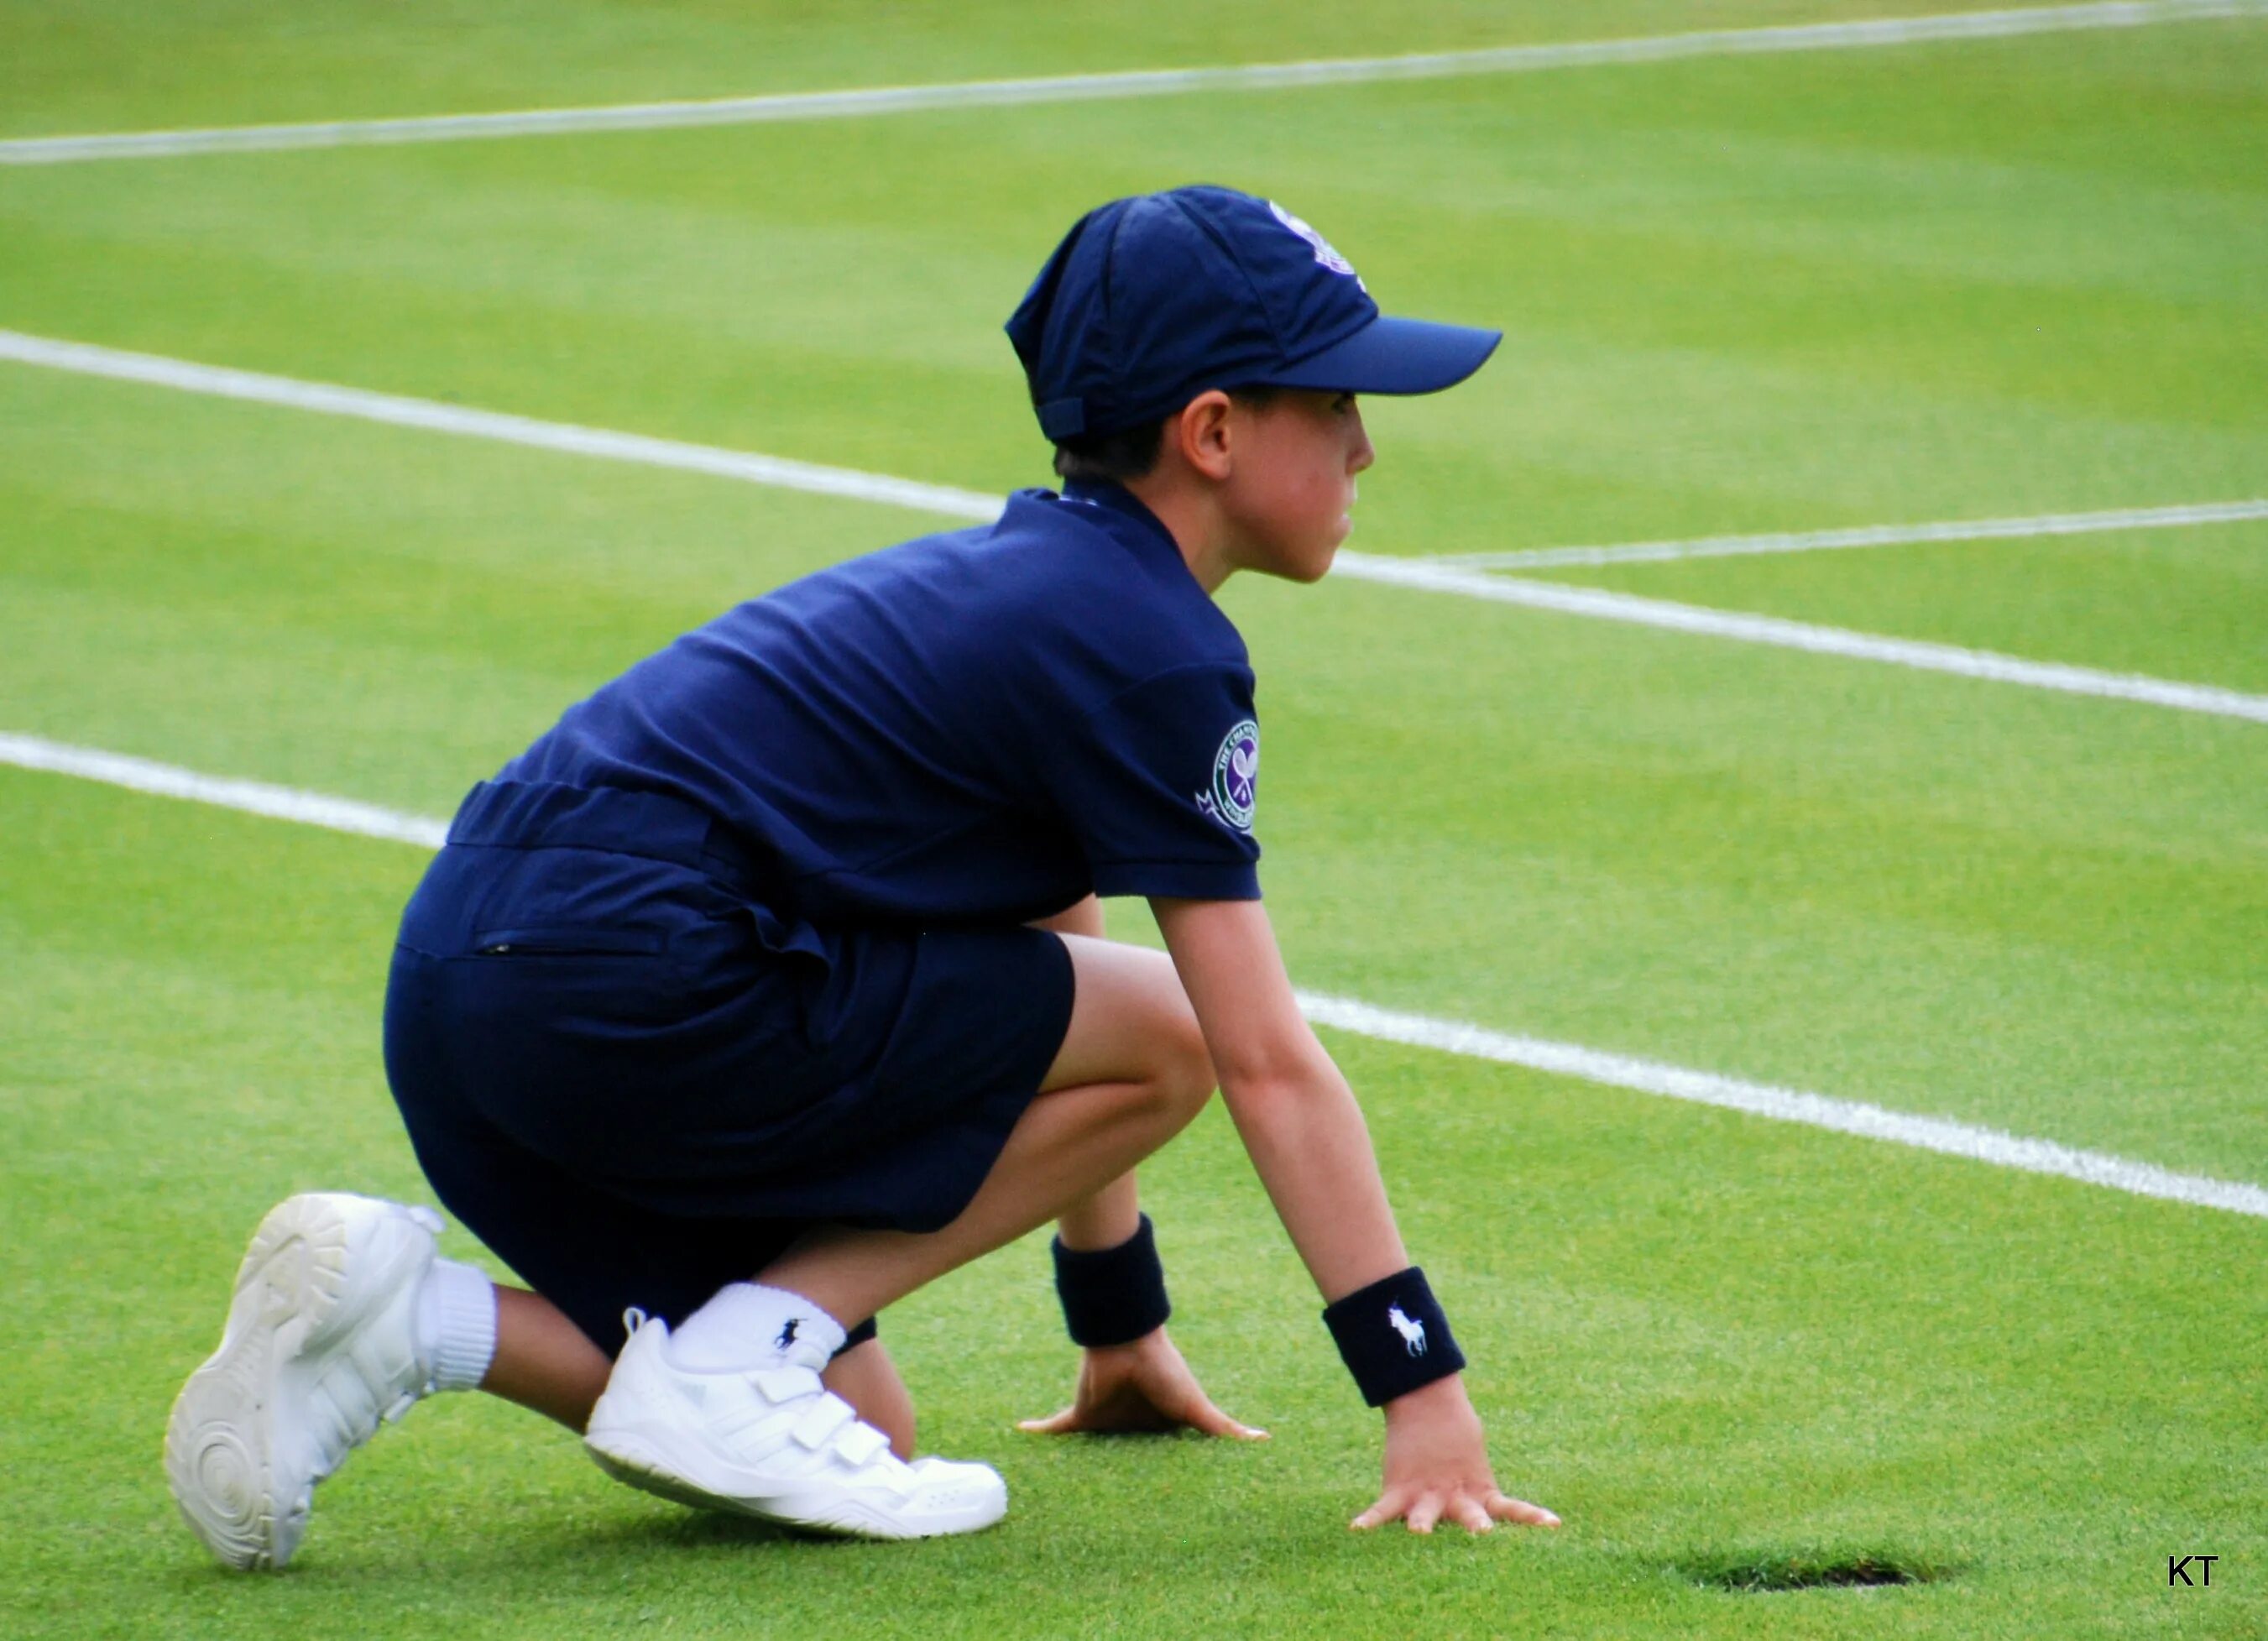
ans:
(1984, 278)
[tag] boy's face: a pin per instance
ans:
(1293, 482)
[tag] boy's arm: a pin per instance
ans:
(1307, 1138)
(1145, 1385)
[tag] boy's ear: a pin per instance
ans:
(1201, 434)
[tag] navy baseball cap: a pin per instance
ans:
(1150, 301)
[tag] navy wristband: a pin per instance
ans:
(1393, 1336)
(1112, 1295)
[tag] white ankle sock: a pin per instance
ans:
(748, 1323)
(456, 1325)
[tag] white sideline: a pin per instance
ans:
(1786, 1105)
(1421, 575)
(1865, 535)
(257, 798)
(779, 472)
(1593, 1065)
(1146, 83)
(1431, 576)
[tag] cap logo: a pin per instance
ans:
(1235, 778)
(1324, 255)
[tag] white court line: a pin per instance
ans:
(1429, 576)
(1865, 535)
(166, 780)
(1418, 574)
(779, 472)
(1786, 1105)
(1457, 1037)
(1146, 83)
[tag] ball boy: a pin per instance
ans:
(768, 986)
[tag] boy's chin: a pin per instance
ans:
(1313, 566)
(1288, 558)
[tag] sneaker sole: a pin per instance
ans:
(217, 1441)
(636, 1463)
(220, 1438)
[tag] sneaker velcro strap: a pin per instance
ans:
(860, 1443)
(783, 1385)
(829, 1415)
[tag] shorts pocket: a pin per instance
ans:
(569, 941)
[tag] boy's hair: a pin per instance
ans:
(1131, 452)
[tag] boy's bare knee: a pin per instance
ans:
(1185, 1080)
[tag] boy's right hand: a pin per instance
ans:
(1436, 1466)
(1143, 1385)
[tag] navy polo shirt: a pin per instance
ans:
(976, 727)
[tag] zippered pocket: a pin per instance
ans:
(568, 941)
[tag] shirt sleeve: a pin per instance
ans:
(1159, 783)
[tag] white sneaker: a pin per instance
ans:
(321, 1344)
(772, 1442)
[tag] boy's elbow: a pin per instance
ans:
(1259, 1103)
(1281, 1076)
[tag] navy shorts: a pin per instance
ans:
(636, 1081)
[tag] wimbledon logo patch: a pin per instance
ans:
(1235, 778)
(1324, 254)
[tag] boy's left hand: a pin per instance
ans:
(1143, 1385)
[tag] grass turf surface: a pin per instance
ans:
(1975, 280)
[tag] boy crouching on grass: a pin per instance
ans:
(769, 986)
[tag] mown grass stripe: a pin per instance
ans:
(1347, 1014)
(1420, 575)
(838, 105)
(2179, 517)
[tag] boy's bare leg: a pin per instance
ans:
(1131, 1073)
(543, 1361)
(865, 1377)
(1109, 1216)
